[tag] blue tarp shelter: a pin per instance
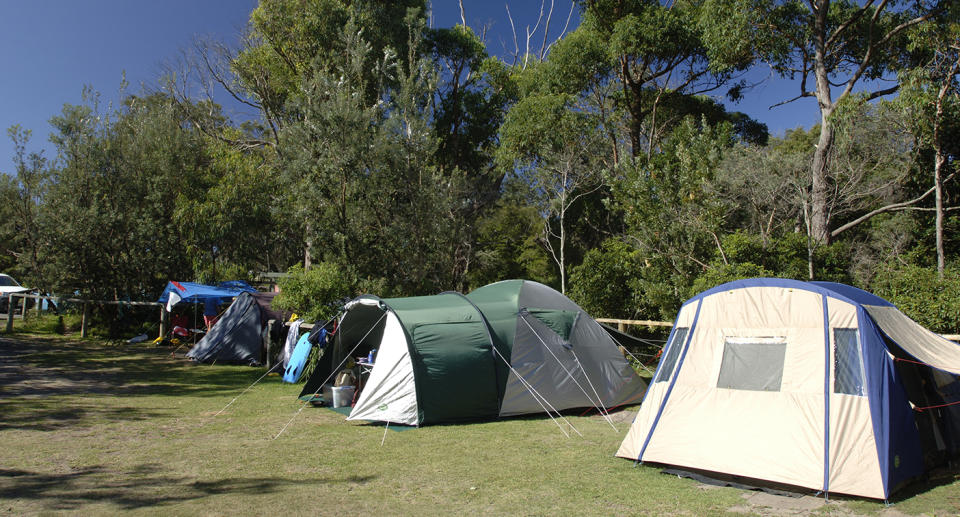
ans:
(196, 293)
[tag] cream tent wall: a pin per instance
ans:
(790, 382)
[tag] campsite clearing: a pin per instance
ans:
(92, 428)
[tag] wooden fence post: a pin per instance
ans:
(83, 320)
(39, 306)
(23, 309)
(164, 321)
(9, 313)
(267, 342)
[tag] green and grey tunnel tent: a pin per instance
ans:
(812, 384)
(509, 348)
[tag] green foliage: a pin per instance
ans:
(605, 283)
(402, 159)
(508, 247)
(917, 291)
(222, 217)
(727, 273)
(110, 210)
(292, 39)
(317, 293)
(360, 179)
(662, 54)
(22, 195)
(747, 255)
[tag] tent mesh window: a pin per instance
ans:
(847, 363)
(752, 363)
(673, 352)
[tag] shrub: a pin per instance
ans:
(920, 294)
(317, 293)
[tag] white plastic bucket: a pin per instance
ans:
(339, 396)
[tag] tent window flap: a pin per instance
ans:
(752, 363)
(847, 363)
(673, 352)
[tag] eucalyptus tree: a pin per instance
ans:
(931, 98)
(470, 99)
(557, 153)
(840, 51)
(359, 169)
(660, 54)
(770, 186)
(109, 214)
(673, 218)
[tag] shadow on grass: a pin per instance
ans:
(937, 477)
(33, 366)
(145, 486)
(44, 381)
(51, 415)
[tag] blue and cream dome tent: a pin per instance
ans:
(811, 384)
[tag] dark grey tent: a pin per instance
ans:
(236, 337)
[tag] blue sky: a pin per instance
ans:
(53, 48)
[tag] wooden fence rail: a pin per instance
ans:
(164, 317)
(622, 325)
(85, 314)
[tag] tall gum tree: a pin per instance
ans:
(661, 52)
(839, 49)
(931, 96)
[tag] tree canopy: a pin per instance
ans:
(394, 157)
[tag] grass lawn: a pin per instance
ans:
(92, 429)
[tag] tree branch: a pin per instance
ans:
(870, 48)
(856, 16)
(788, 101)
(904, 205)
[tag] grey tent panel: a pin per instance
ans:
(583, 368)
(235, 338)
(754, 364)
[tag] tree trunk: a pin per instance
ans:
(563, 241)
(307, 245)
(819, 229)
(940, 161)
(819, 187)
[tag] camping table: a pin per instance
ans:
(364, 369)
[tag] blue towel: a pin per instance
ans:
(298, 360)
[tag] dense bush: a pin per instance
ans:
(316, 293)
(915, 290)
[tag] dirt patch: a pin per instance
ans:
(36, 367)
(19, 378)
(770, 504)
(617, 416)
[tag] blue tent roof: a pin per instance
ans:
(832, 289)
(195, 293)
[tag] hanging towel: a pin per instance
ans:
(293, 334)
